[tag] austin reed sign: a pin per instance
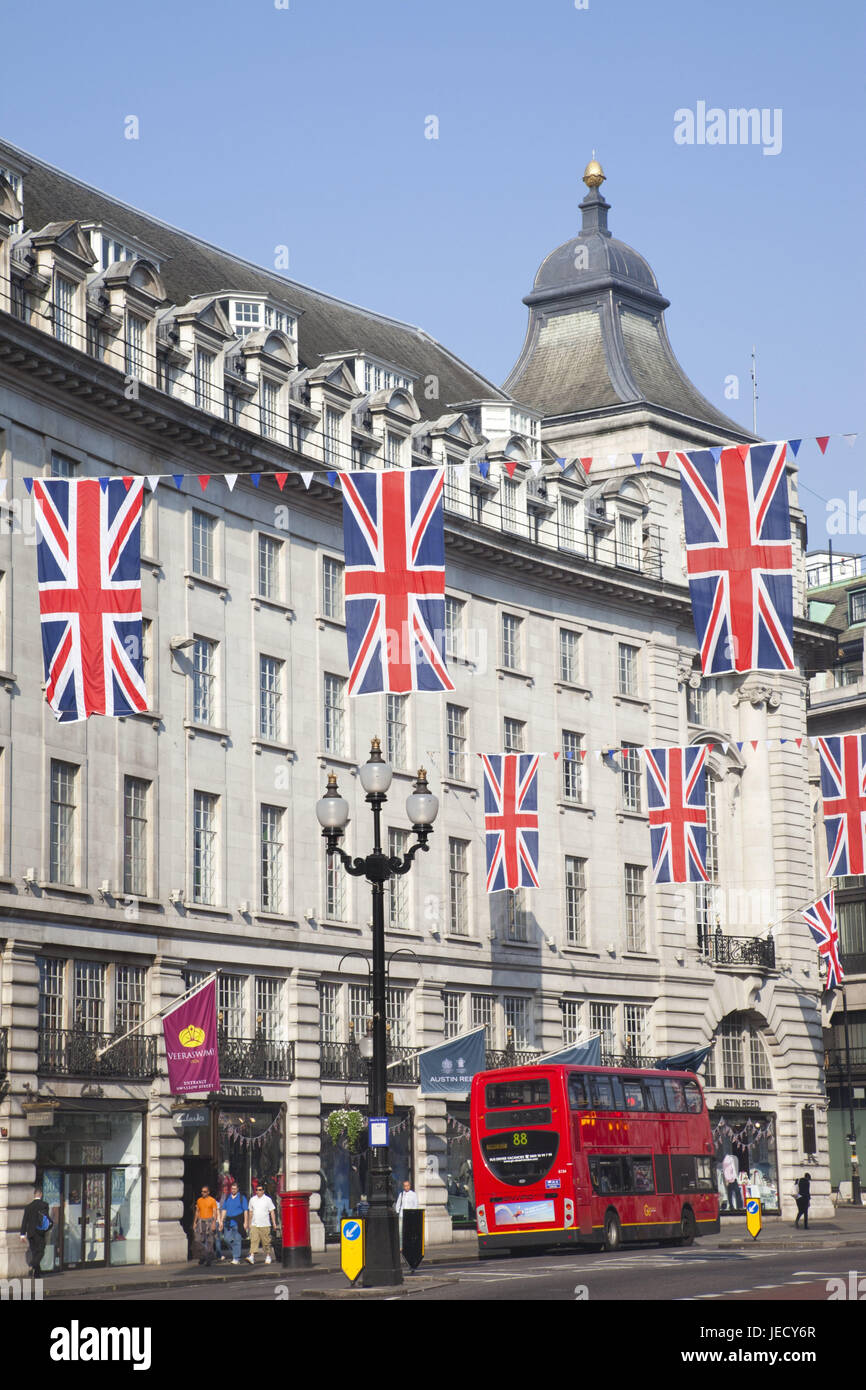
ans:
(191, 1043)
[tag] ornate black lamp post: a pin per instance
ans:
(382, 1251)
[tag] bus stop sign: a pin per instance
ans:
(753, 1217)
(351, 1248)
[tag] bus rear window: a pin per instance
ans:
(501, 1094)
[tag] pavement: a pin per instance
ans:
(847, 1227)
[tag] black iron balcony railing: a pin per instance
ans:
(836, 1061)
(629, 1059)
(509, 1057)
(66, 1052)
(740, 950)
(344, 1062)
(256, 1059)
(4, 1037)
(854, 963)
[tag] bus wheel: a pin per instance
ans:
(688, 1228)
(612, 1231)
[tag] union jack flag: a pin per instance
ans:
(821, 921)
(739, 557)
(90, 594)
(511, 819)
(394, 538)
(677, 803)
(843, 788)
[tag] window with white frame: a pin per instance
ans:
(458, 887)
(62, 467)
(568, 532)
(454, 644)
(510, 493)
(518, 1020)
(602, 1019)
(572, 766)
(481, 1009)
(636, 1029)
(269, 398)
(136, 799)
(204, 379)
(272, 857)
(575, 900)
(397, 888)
(136, 329)
(247, 317)
(334, 712)
(333, 581)
(129, 997)
(706, 894)
(452, 484)
(697, 703)
(456, 734)
(857, 607)
(635, 907)
(204, 847)
(269, 1008)
(745, 1065)
(231, 1010)
(204, 659)
(271, 677)
(733, 1055)
(627, 550)
(333, 437)
(516, 916)
(203, 544)
(360, 1010)
(398, 1016)
(515, 736)
(268, 571)
(335, 890)
(631, 777)
(395, 729)
(452, 1010)
(147, 658)
(393, 450)
(64, 309)
(627, 682)
(329, 1012)
(511, 644)
(570, 1021)
(569, 655)
(88, 997)
(63, 828)
(52, 974)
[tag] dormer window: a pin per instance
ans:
(136, 329)
(333, 437)
(269, 399)
(393, 450)
(64, 304)
(247, 317)
(857, 607)
(204, 379)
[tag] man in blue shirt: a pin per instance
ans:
(234, 1220)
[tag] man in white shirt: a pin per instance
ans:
(262, 1222)
(407, 1200)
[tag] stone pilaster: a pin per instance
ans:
(165, 1240)
(304, 1109)
(430, 1136)
(19, 1012)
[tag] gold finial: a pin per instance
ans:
(376, 745)
(422, 774)
(593, 175)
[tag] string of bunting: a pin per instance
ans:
(247, 1141)
(613, 750)
(744, 1134)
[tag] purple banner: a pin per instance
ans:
(191, 1044)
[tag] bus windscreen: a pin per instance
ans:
(501, 1094)
(521, 1156)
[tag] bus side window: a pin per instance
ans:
(694, 1100)
(602, 1092)
(606, 1175)
(577, 1097)
(663, 1173)
(676, 1097)
(655, 1091)
(633, 1094)
(683, 1169)
(642, 1175)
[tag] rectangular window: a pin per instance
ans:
(204, 847)
(88, 1000)
(857, 607)
(333, 437)
(627, 551)
(454, 644)
(397, 889)
(511, 653)
(631, 777)
(481, 1006)
(335, 890)
(458, 887)
(271, 697)
(635, 907)
(761, 1079)
(516, 917)
(269, 566)
(64, 305)
(64, 822)
(515, 736)
(329, 1012)
(269, 396)
(697, 703)
(518, 1028)
(246, 312)
(398, 1016)
(393, 450)
(231, 1014)
(395, 729)
(136, 795)
(570, 1021)
(456, 721)
(569, 655)
(602, 1019)
(203, 680)
(575, 900)
(269, 1012)
(567, 524)
(509, 495)
(203, 544)
(572, 766)
(135, 338)
(733, 1059)
(204, 393)
(452, 1008)
(628, 669)
(332, 589)
(637, 1030)
(62, 467)
(452, 485)
(51, 977)
(360, 1010)
(335, 730)
(129, 997)
(272, 821)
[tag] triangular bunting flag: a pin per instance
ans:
(203, 480)
(813, 739)
(822, 440)
(178, 480)
(484, 467)
(257, 478)
(154, 481)
(611, 460)
(306, 478)
(739, 746)
(509, 465)
(850, 439)
(770, 742)
(638, 460)
(535, 465)
(332, 477)
(799, 742)
(710, 747)
(754, 743)
(568, 755)
(794, 446)
(662, 457)
(230, 479)
(724, 747)
(587, 464)
(583, 755)
(281, 480)
(597, 752)
(562, 462)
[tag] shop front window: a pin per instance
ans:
(90, 1166)
(746, 1160)
(458, 1167)
(250, 1143)
(344, 1173)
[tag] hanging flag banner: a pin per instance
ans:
(191, 1050)
(686, 1061)
(448, 1069)
(511, 820)
(739, 557)
(582, 1054)
(843, 789)
(89, 574)
(821, 921)
(677, 807)
(394, 539)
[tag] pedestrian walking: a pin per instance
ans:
(804, 1197)
(234, 1220)
(407, 1200)
(262, 1223)
(206, 1222)
(35, 1225)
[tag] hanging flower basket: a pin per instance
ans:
(348, 1122)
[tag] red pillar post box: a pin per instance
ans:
(295, 1213)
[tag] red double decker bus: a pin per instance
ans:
(590, 1156)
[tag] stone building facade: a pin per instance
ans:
(138, 855)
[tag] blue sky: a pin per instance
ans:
(305, 126)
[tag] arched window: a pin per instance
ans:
(739, 1060)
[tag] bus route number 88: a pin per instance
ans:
(519, 1138)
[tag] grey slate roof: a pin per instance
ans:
(190, 266)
